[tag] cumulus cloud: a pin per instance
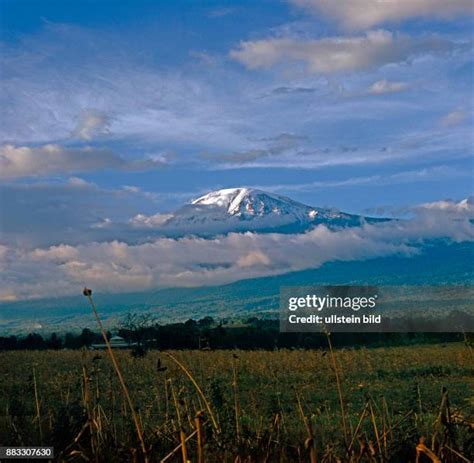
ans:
(23, 161)
(91, 124)
(120, 267)
(50, 159)
(384, 86)
(361, 14)
(339, 54)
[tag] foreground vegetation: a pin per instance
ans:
(384, 404)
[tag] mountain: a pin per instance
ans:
(247, 209)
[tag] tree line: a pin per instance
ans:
(206, 334)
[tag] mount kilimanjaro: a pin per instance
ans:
(245, 209)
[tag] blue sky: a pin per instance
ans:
(115, 108)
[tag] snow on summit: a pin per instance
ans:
(247, 202)
(247, 209)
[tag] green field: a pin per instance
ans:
(252, 405)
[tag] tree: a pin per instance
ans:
(138, 328)
(54, 342)
(71, 341)
(9, 343)
(86, 337)
(33, 341)
(206, 322)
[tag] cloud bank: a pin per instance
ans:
(120, 267)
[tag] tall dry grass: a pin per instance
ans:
(406, 404)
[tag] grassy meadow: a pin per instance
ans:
(400, 404)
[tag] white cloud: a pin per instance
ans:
(362, 14)
(454, 118)
(80, 182)
(134, 98)
(464, 208)
(145, 221)
(24, 161)
(159, 110)
(253, 259)
(384, 86)
(37, 161)
(339, 54)
(120, 267)
(91, 124)
(104, 223)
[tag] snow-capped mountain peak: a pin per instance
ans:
(249, 203)
(243, 210)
